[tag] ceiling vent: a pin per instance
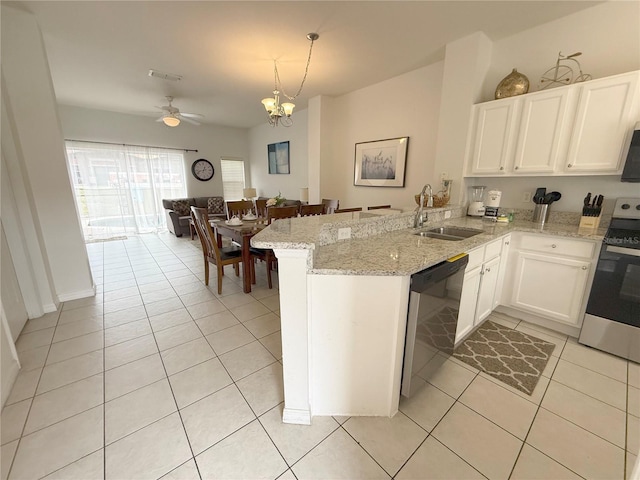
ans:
(165, 76)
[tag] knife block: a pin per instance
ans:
(590, 222)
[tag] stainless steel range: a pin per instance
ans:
(612, 321)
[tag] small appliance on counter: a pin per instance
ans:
(476, 206)
(492, 204)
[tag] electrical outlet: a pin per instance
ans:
(526, 197)
(344, 233)
(447, 214)
(444, 176)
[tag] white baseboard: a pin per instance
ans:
(49, 307)
(9, 380)
(296, 416)
(67, 297)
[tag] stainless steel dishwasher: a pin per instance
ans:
(434, 301)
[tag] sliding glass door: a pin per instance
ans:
(119, 188)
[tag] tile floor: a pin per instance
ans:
(158, 376)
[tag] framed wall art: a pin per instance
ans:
(278, 154)
(381, 163)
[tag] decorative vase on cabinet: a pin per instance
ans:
(513, 84)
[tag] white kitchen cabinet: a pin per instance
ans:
(549, 277)
(479, 287)
(487, 291)
(493, 125)
(550, 286)
(606, 110)
(577, 129)
(468, 302)
(542, 131)
(502, 273)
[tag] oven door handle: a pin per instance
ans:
(623, 251)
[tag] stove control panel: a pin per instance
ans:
(627, 207)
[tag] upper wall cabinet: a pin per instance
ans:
(605, 113)
(494, 125)
(574, 130)
(543, 128)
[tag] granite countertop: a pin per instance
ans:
(387, 246)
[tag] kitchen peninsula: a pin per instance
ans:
(344, 301)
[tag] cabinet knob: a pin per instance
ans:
(584, 267)
(517, 167)
(487, 270)
(569, 166)
(553, 245)
(501, 168)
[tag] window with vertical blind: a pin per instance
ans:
(232, 178)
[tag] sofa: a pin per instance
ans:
(178, 211)
(286, 202)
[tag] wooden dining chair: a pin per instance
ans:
(266, 254)
(378, 207)
(239, 208)
(261, 208)
(210, 250)
(308, 210)
(332, 205)
(274, 213)
(345, 210)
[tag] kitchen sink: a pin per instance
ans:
(449, 233)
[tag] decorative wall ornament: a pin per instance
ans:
(513, 84)
(562, 73)
(278, 155)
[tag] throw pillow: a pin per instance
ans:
(215, 205)
(182, 207)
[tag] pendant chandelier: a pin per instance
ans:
(280, 113)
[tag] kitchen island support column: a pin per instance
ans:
(292, 272)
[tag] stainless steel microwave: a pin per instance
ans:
(631, 172)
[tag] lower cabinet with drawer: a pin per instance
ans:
(479, 288)
(549, 277)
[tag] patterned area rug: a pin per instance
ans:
(512, 357)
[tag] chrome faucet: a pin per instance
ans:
(421, 215)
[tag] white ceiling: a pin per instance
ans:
(100, 51)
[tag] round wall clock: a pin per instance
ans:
(202, 170)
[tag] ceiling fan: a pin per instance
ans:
(172, 116)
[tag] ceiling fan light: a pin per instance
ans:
(171, 121)
(288, 108)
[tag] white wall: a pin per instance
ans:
(608, 35)
(407, 105)
(465, 67)
(212, 142)
(268, 185)
(38, 140)
(9, 364)
(12, 301)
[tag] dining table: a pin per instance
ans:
(241, 234)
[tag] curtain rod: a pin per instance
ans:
(131, 145)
